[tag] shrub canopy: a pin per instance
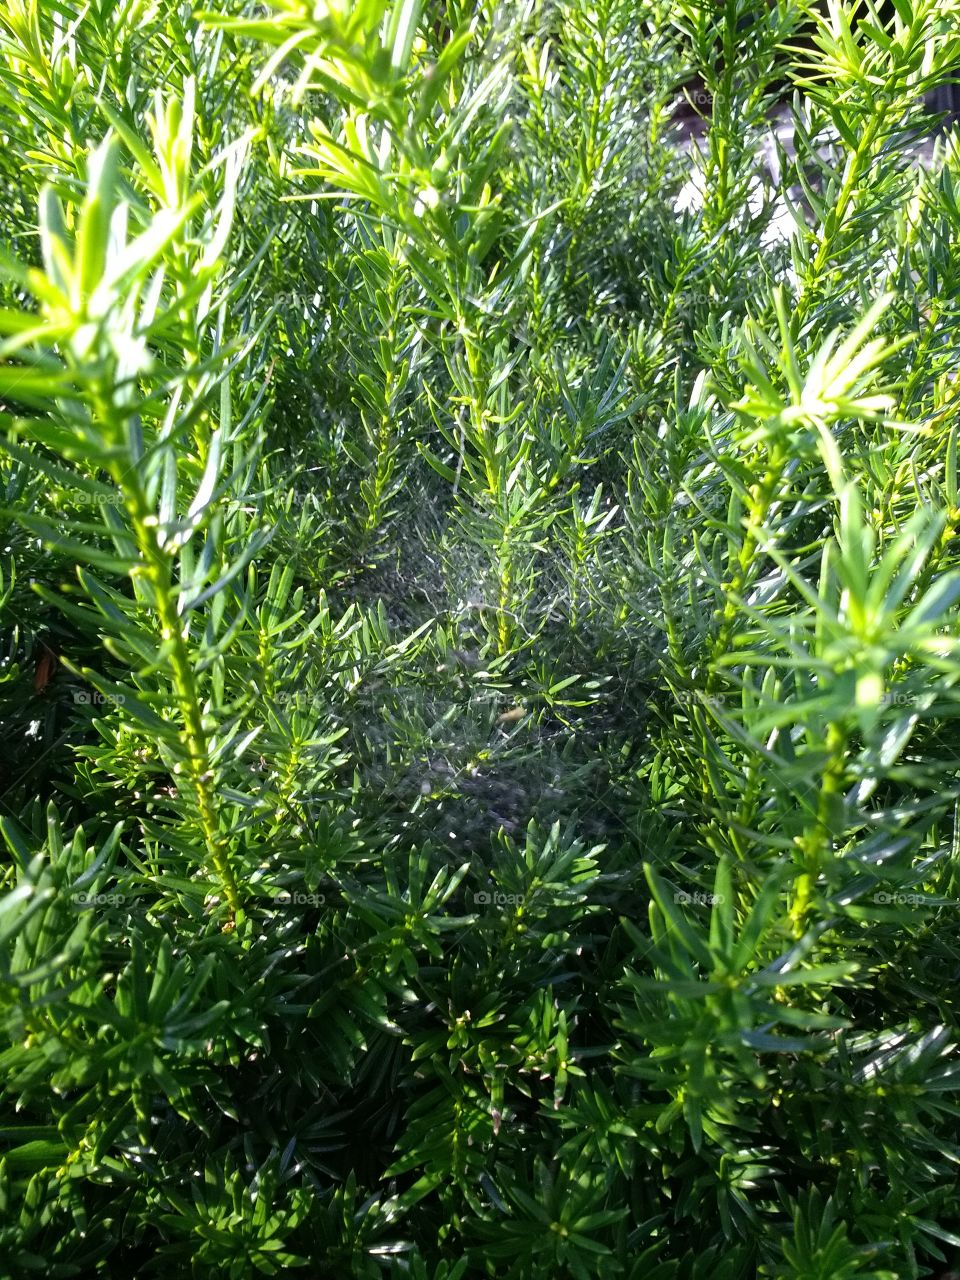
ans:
(479, 573)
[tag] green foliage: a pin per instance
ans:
(479, 581)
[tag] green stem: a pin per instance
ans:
(836, 219)
(156, 568)
(762, 495)
(817, 844)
